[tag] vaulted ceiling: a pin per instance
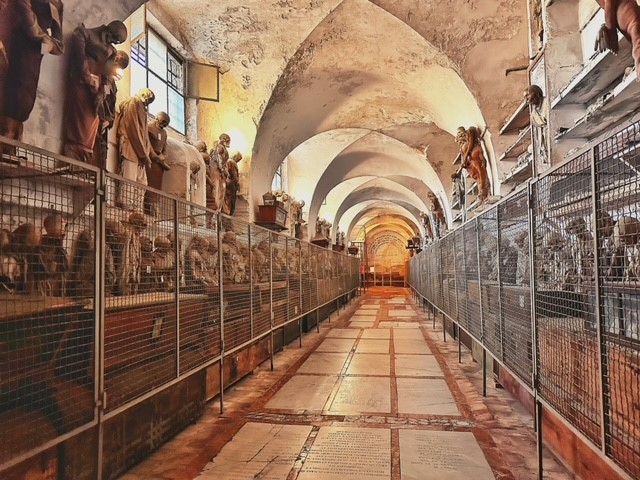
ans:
(361, 98)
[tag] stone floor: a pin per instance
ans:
(376, 395)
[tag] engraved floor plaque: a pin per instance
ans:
(417, 366)
(367, 345)
(362, 394)
(384, 333)
(362, 318)
(344, 453)
(425, 397)
(343, 333)
(392, 324)
(366, 313)
(442, 456)
(370, 307)
(397, 300)
(370, 364)
(258, 449)
(336, 345)
(303, 392)
(329, 363)
(416, 347)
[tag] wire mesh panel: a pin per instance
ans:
(198, 289)
(280, 283)
(515, 286)
(294, 304)
(461, 277)
(618, 241)
(564, 294)
(314, 260)
(449, 270)
(473, 322)
(236, 286)
(260, 279)
(491, 257)
(142, 264)
(436, 275)
(47, 308)
(305, 265)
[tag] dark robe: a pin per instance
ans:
(86, 88)
(232, 187)
(22, 40)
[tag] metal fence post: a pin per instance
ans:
(221, 294)
(177, 292)
(299, 244)
(251, 285)
(603, 355)
(271, 314)
(482, 326)
(100, 397)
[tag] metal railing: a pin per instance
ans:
(548, 282)
(103, 306)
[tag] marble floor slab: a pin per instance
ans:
(402, 313)
(370, 364)
(407, 334)
(328, 363)
(336, 345)
(384, 333)
(348, 453)
(357, 395)
(258, 450)
(303, 392)
(417, 366)
(369, 307)
(362, 318)
(416, 347)
(365, 313)
(394, 324)
(431, 455)
(361, 324)
(368, 345)
(425, 397)
(343, 333)
(397, 300)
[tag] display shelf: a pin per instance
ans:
(596, 76)
(518, 147)
(522, 171)
(618, 104)
(12, 167)
(518, 119)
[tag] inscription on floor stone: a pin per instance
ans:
(330, 363)
(425, 397)
(362, 318)
(303, 392)
(258, 450)
(417, 366)
(359, 324)
(343, 453)
(377, 333)
(442, 456)
(370, 307)
(370, 364)
(358, 395)
(336, 345)
(364, 312)
(367, 345)
(343, 333)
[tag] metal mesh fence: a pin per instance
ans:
(280, 278)
(616, 163)
(568, 361)
(260, 279)
(294, 304)
(198, 291)
(47, 293)
(236, 269)
(140, 308)
(461, 281)
(474, 324)
(515, 288)
(490, 258)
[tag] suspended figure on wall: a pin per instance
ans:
(440, 222)
(473, 159)
(535, 98)
(28, 30)
(92, 53)
(158, 139)
(233, 184)
(623, 15)
(135, 152)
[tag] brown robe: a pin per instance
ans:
(133, 139)
(158, 141)
(232, 187)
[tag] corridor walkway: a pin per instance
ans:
(376, 395)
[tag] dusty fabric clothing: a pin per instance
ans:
(133, 139)
(107, 115)
(22, 40)
(78, 152)
(85, 90)
(130, 196)
(232, 187)
(215, 184)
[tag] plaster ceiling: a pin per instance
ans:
(348, 91)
